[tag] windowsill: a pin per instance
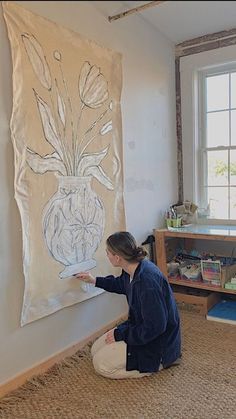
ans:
(214, 221)
(216, 230)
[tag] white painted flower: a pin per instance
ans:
(92, 86)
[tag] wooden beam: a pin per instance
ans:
(207, 38)
(206, 43)
(196, 49)
(135, 10)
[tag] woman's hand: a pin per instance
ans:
(86, 277)
(110, 337)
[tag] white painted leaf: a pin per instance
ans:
(48, 163)
(106, 128)
(100, 175)
(37, 59)
(89, 160)
(49, 127)
(61, 107)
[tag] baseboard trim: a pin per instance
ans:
(21, 378)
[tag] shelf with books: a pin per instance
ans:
(199, 285)
(191, 235)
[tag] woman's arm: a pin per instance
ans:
(108, 283)
(111, 283)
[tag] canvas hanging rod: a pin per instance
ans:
(136, 9)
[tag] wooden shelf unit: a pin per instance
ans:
(219, 233)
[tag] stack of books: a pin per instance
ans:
(224, 311)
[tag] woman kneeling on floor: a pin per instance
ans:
(150, 339)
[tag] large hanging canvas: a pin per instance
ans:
(66, 133)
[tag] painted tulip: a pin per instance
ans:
(92, 86)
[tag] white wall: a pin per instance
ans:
(150, 169)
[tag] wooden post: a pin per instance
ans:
(160, 251)
(179, 132)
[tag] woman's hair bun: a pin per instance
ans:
(140, 253)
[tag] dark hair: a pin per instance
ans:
(123, 244)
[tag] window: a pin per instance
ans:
(217, 142)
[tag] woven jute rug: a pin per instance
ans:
(202, 387)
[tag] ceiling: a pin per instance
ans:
(179, 20)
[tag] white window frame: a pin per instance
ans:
(193, 69)
(202, 123)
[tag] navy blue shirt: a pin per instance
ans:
(152, 331)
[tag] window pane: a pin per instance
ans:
(233, 203)
(218, 202)
(218, 129)
(233, 90)
(217, 168)
(233, 127)
(233, 167)
(217, 92)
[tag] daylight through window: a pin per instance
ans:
(218, 144)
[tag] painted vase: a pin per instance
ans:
(73, 224)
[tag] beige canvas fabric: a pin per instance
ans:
(66, 133)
